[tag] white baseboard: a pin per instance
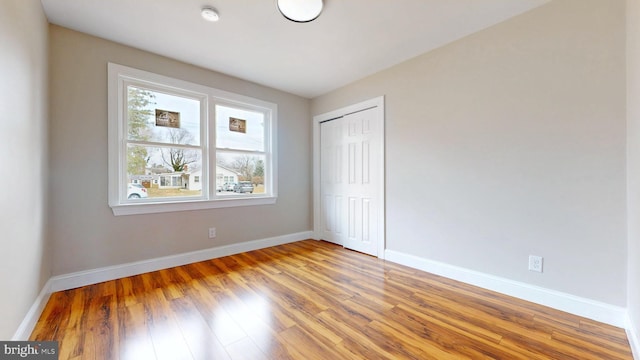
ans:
(29, 322)
(591, 309)
(634, 338)
(94, 276)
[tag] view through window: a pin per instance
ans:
(175, 142)
(164, 147)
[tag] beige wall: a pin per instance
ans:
(24, 259)
(85, 233)
(633, 163)
(511, 142)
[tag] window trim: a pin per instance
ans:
(118, 77)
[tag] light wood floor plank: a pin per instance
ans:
(311, 300)
(202, 342)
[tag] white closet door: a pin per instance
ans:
(349, 172)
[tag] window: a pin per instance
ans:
(240, 147)
(188, 144)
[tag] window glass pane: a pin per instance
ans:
(240, 174)
(159, 117)
(239, 129)
(163, 172)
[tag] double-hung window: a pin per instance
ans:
(176, 145)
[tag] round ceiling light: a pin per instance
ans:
(300, 10)
(210, 14)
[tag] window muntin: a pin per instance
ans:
(154, 119)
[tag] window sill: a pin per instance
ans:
(154, 208)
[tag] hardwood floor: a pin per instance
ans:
(311, 300)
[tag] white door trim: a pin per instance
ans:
(377, 103)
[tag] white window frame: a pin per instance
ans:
(119, 77)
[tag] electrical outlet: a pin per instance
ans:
(535, 263)
(212, 233)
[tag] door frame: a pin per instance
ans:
(378, 104)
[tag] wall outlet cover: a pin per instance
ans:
(535, 263)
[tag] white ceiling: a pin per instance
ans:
(350, 40)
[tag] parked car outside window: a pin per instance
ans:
(136, 191)
(243, 187)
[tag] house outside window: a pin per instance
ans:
(171, 181)
(182, 140)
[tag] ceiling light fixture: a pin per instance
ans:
(300, 10)
(210, 14)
